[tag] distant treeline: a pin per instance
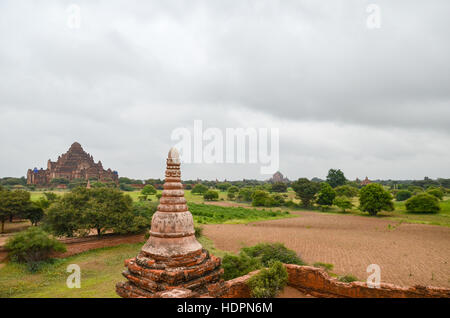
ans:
(127, 184)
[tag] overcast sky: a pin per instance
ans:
(372, 102)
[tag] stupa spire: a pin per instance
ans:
(172, 262)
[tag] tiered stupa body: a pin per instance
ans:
(172, 260)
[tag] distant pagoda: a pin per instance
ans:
(172, 263)
(74, 164)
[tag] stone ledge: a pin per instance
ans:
(317, 282)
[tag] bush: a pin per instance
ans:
(347, 278)
(260, 198)
(198, 231)
(438, 193)
(32, 245)
(373, 198)
(236, 266)
(423, 203)
(269, 282)
(403, 195)
(245, 194)
(267, 252)
(325, 266)
(211, 195)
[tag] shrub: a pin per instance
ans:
(343, 203)
(277, 200)
(325, 266)
(267, 252)
(347, 278)
(423, 203)
(236, 266)
(198, 231)
(51, 197)
(269, 282)
(32, 245)
(438, 193)
(211, 195)
(259, 198)
(245, 194)
(403, 195)
(373, 198)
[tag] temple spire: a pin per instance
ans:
(172, 261)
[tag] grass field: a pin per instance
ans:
(212, 214)
(100, 271)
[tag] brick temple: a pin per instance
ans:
(74, 164)
(172, 263)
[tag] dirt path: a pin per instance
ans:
(408, 254)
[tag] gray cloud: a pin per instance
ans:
(372, 102)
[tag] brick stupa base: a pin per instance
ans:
(172, 263)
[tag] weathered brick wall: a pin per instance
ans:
(317, 282)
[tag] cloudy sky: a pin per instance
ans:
(371, 101)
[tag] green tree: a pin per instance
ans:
(423, 203)
(107, 209)
(373, 198)
(148, 190)
(336, 178)
(102, 209)
(306, 190)
(279, 187)
(199, 189)
(211, 195)
(34, 211)
(346, 190)
(343, 202)
(223, 186)
(245, 194)
(326, 195)
(12, 203)
(232, 191)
